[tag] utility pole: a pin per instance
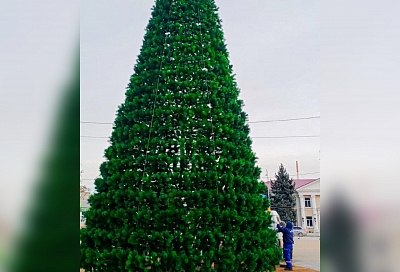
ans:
(297, 169)
(267, 184)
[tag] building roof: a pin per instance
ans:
(298, 182)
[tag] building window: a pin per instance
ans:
(307, 202)
(309, 221)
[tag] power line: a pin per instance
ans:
(296, 175)
(290, 136)
(284, 120)
(94, 137)
(258, 137)
(260, 178)
(96, 123)
(250, 122)
(308, 173)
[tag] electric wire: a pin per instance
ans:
(283, 120)
(296, 174)
(289, 136)
(256, 137)
(249, 122)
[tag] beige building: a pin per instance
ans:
(84, 196)
(308, 205)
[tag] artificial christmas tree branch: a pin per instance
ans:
(179, 188)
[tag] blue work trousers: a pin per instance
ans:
(286, 254)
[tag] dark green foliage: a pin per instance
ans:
(283, 198)
(49, 242)
(179, 188)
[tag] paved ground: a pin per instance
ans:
(306, 252)
(297, 269)
(305, 255)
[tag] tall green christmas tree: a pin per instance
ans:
(283, 198)
(48, 242)
(179, 189)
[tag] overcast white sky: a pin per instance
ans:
(38, 43)
(274, 50)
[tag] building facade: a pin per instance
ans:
(307, 203)
(308, 206)
(84, 196)
(84, 207)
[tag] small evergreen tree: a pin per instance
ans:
(179, 188)
(283, 198)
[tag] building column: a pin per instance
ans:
(298, 215)
(302, 213)
(315, 215)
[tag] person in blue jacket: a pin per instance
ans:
(287, 243)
